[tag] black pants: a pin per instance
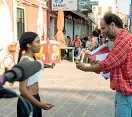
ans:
(22, 110)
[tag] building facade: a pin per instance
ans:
(123, 16)
(18, 16)
(103, 7)
(75, 23)
(108, 6)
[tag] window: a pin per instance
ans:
(20, 22)
(99, 10)
(109, 9)
(52, 25)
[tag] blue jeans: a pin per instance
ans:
(78, 49)
(123, 105)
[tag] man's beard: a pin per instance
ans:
(111, 35)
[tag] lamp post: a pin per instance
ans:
(130, 16)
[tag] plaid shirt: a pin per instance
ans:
(119, 63)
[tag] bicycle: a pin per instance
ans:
(11, 58)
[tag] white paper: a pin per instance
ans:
(98, 49)
(100, 58)
(107, 75)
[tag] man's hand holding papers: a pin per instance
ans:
(97, 55)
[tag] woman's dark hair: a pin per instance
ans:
(110, 17)
(77, 36)
(68, 37)
(26, 38)
(95, 34)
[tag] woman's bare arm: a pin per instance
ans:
(24, 91)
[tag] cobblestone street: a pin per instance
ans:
(74, 94)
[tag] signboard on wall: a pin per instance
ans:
(66, 5)
(89, 3)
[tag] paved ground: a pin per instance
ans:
(74, 94)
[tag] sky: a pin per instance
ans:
(124, 5)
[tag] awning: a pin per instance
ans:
(79, 14)
(83, 16)
(90, 18)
